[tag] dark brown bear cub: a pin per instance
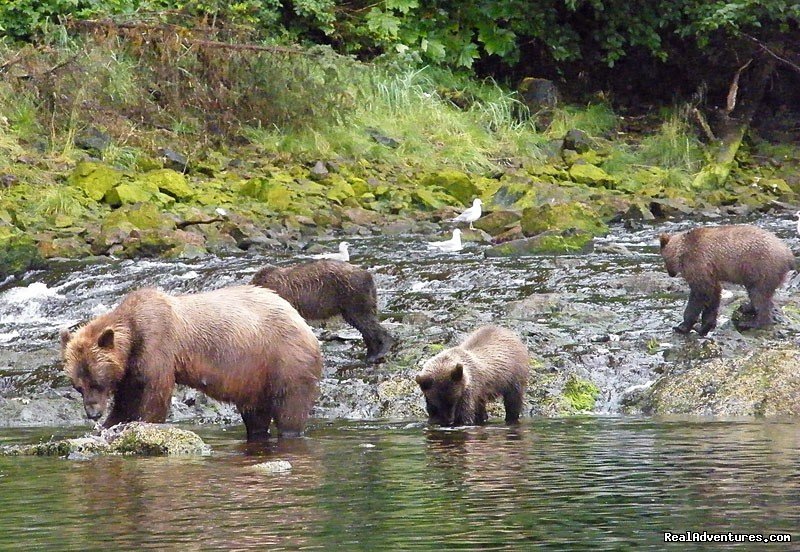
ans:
(739, 254)
(323, 289)
(243, 345)
(458, 382)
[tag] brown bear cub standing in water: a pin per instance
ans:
(458, 382)
(323, 289)
(740, 254)
(243, 345)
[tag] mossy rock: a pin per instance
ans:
(169, 182)
(340, 189)
(94, 179)
(63, 247)
(764, 382)
(579, 395)
(142, 216)
(498, 221)
(455, 183)
(545, 243)
(562, 216)
(136, 438)
(584, 173)
(18, 252)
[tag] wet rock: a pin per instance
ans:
(136, 438)
(273, 466)
(498, 221)
(513, 233)
(764, 382)
(94, 179)
(577, 140)
(362, 217)
(93, 140)
(551, 242)
(536, 306)
(70, 248)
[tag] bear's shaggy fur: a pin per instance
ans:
(738, 254)
(244, 345)
(323, 289)
(458, 382)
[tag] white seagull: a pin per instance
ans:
(798, 221)
(342, 255)
(470, 215)
(453, 244)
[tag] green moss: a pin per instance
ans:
(18, 252)
(129, 193)
(169, 182)
(94, 179)
(455, 183)
(580, 395)
(583, 173)
(562, 216)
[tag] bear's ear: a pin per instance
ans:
(424, 382)
(458, 373)
(664, 240)
(106, 339)
(65, 337)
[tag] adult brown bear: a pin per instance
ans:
(458, 382)
(739, 254)
(323, 289)
(244, 345)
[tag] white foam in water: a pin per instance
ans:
(8, 336)
(191, 275)
(24, 304)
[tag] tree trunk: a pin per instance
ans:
(735, 126)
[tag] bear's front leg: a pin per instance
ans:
(694, 307)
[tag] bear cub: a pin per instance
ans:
(458, 382)
(323, 289)
(244, 345)
(738, 254)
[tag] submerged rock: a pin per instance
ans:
(273, 466)
(136, 438)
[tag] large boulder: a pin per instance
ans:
(454, 183)
(18, 252)
(562, 216)
(764, 382)
(94, 179)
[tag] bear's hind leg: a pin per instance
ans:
(512, 401)
(377, 339)
(710, 311)
(761, 301)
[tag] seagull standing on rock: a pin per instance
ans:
(470, 215)
(342, 255)
(797, 214)
(453, 244)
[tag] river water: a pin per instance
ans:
(382, 480)
(588, 483)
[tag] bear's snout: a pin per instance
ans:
(93, 411)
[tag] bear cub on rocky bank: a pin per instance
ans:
(324, 289)
(458, 382)
(738, 254)
(243, 345)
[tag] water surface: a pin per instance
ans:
(579, 483)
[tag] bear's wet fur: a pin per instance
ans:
(244, 345)
(323, 289)
(458, 382)
(738, 254)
